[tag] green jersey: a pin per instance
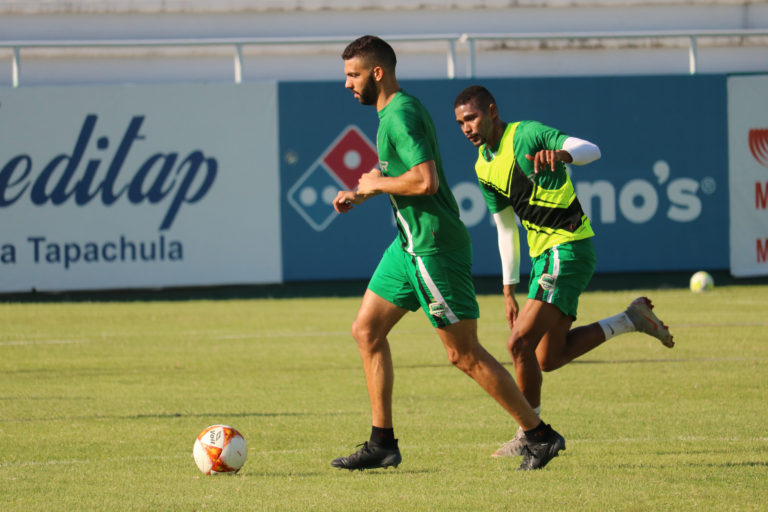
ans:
(546, 202)
(405, 138)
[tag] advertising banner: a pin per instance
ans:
(136, 187)
(748, 150)
(654, 202)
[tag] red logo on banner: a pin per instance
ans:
(762, 250)
(350, 157)
(758, 145)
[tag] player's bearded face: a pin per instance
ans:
(360, 80)
(369, 92)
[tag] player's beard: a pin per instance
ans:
(370, 92)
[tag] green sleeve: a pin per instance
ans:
(540, 136)
(495, 202)
(410, 136)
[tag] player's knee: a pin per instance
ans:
(368, 339)
(453, 356)
(461, 360)
(519, 346)
(547, 365)
(362, 333)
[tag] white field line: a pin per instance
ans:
(346, 333)
(253, 335)
(21, 343)
(33, 463)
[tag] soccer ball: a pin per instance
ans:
(219, 449)
(701, 281)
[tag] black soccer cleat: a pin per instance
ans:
(536, 454)
(370, 456)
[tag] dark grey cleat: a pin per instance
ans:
(536, 454)
(370, 456)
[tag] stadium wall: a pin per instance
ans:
(654, 202)
(187, 185)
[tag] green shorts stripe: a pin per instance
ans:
(560, 274)
(440, 284)
(434, 294)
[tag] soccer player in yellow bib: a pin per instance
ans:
(521, 170)
(426, 267)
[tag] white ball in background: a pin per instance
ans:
(701, 281)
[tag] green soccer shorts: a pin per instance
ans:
(561, 273)
(441, 284)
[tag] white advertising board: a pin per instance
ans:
(748, 174)
(136, 187)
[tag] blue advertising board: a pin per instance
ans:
(657, 198)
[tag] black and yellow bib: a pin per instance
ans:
(546, 202)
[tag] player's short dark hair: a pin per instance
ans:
(477, 94)
(372, 49)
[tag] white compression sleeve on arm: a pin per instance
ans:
(582, 151)
(509, 245)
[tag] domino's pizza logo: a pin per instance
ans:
(340, 166)
(758, 145)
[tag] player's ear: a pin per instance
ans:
(493, 111)
(378, 73)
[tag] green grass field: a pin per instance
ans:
(100, 403)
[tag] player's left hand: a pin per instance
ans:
(367, 184)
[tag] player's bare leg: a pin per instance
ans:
(556, 350)
(561, 344)
(557, 346)
(466, 353)
(533, 322)
(552, 353)
(542, 443)
(374, 320)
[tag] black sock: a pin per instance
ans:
(384, 437)
(540, 433)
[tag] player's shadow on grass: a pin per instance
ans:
(630, 361)
(391, 473)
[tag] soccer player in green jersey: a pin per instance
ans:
(521, 170)
(427, 266)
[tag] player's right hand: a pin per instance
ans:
(344, 201)
(511, 309)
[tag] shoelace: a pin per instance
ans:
(364, 449)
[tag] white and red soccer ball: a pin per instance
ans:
(219, 449)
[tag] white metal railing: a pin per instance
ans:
(468, 39)
(691, 35)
